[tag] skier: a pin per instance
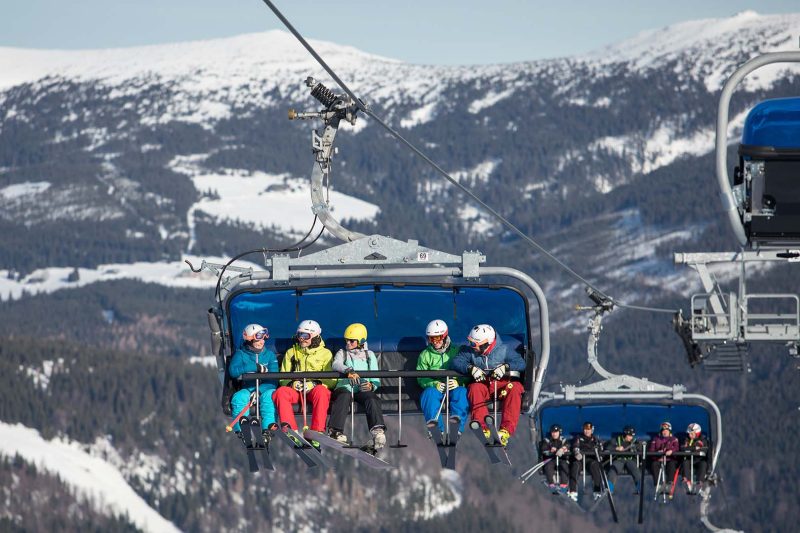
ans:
(354, 357)
(556, 448)
(584, 457)
(489, 361)
(699, 463)
(624, 448)
(253, 356)
(308, 354)
(667, 444)
(438, 355)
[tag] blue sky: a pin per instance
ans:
(419, 31)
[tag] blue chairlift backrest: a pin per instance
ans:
(610, 419)
(773, 123)
(395, 317)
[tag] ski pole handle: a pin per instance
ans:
(229, 427)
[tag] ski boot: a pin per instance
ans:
(338, 436)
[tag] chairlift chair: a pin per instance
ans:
(763, 209)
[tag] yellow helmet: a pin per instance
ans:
(357, 332)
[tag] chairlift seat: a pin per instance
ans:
(769, 172)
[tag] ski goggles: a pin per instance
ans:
(261, 335)
(476, 345)
(436, 338)
(351, 341)
(303, 335)
(667, 426)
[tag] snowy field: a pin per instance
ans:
(170, 274)
(101, 483)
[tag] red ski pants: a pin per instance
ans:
(319, 397)
(508, 392)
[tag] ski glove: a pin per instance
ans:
(451, 383)
(366, 386)
(298, 385)
(440, 386)
(578, 456)
(262, 368)
(560, 452)
(477, 373)
(353, 377)
(500, 371)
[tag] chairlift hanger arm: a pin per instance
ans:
(345, 235)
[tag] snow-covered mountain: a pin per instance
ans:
(120, 163)
(162, 144)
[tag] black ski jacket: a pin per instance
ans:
(586, 445)
(548, 443)
(633, 446)
(695, 445)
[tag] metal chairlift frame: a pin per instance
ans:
(629, 389)
(362, 259)
(719, 319)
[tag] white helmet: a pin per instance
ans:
(309, 327)
(253, 332)
(481, 334)
(436, 328)
(694, 426)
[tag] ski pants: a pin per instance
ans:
(592, 465)
(266, 407)
(320, 396)
(700, 469)
(563, 471)
(669, 470)
(341, 408)
(508, 392)
(431, 400)
(619, 466)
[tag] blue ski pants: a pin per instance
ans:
(266, 405)
(459, 406)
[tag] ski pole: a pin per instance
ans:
(674, 482)
(532, 470)
(352, 415)
(558, 475)
(305, 409)
(641, 483)
(441, 406)
(604, 479)
(447, 410)
(258, 396)
(495, 403)
(229, 427)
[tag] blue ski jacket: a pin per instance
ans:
(244, 361)
(500, 354)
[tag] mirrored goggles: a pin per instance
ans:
(261, 335)
(477, 345)
(436, 338)
(351, 341)
(303, 336)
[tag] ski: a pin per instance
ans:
(496, 437)
(361, 456)
(247, 439)
(260, 443)
(441, 447)
(453, 443)
(488, 446)
(313, 452)
(300, 450)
